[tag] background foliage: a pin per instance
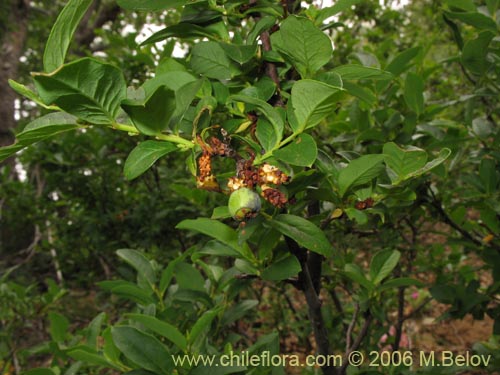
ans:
(384, 119)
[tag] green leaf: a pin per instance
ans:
(382, 265)
(266, 135)
(356, 72)
(488, 175)
(150, 5)
(40, 371)
(153, 116)
(202, 324)
(86, 88)
(240, 53)
(221, 212)
(443, 155)
(475, 51)
(182, 30)
(355, 273)
(94, 329)
(62, 33)
(403, 162)
(466, 5)
(38, 130)
(144, 350)
(220, 232)
(337, 7)
(144, 155)
(109, 349)
(399, 282)
(490, 218)
(162, 328)
(128, 290)
(402, 61)
(475, 19)
(267, 110)
(58, 326)
(282, 269)
(354, 214)
(27, 93)
(302, 151)
(361, 92)
(312, 101)
(172, 80)
(85, 354)
(238, 311)
(305, 233)
(414, 93)
(359, 172)
(265, 23)
(303, 44)
(188, 277)
(209, 59)
(139, 262)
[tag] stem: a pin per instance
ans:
(185, 143)
(361, 336)
(313, 303)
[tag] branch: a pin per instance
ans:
(313, 303)
(348, 336)
(399, 323)
(436, 203)
(359, 339)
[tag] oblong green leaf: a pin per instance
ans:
(475, 19)
(143, 349)
(403, 162)
(209, 59)
(202, 324)
(303, 44)
(312, 101)
(414, 93)
(144, 156)
(443, 155)
(399, 282)
(150, 5)
(382, 265)
(94, 329)
(86, 88)
(59, 325)
(359, 172)
(27, 93)
(355, 273)
(152, 116)
(141, 264)
(38, 130)
(220, 232)
(162, 328)
(282, 269)
(62, 33)
(402, 61)
(238, 311)
(182, 30)
(475, 51)
(302, 151)
(84, 354)
(40, 371)
(356, 72)
(302, 231)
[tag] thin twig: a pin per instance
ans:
(348, 337)
(359, 339)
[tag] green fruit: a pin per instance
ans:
(243, 203)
